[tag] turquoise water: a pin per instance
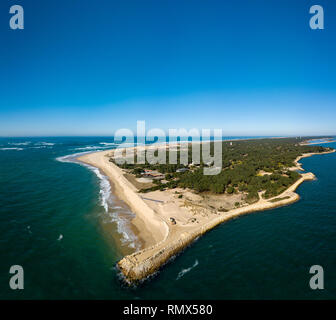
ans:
(60, 223)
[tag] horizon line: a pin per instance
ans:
(112, 136)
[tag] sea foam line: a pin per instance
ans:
(108, 143)
(7, 149)
(112, 212)
(44, 144)
(184, 271)
(19, 143)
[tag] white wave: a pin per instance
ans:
(108, 143)
(89, 148)
(106, 201)
(123, 228)
(121, 217)
(5, 149)
(19, 143)
(184, 271)
(44, 144)
(105, 188)
(71, 157)
(67, 158)
(103, 146)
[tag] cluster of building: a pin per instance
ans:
(156, 175)
(153, 174)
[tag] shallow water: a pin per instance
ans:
(59, 221)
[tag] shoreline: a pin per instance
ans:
(149, 228)
(318, 141)
(161, 239)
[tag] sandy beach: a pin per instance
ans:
(151, 228)
(153, 211)
(318, 141)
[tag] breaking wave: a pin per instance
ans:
(116, 214)
(93, 148)
(7, 149)
(184, 271)
(19, 143)
(44, 144)
(108, 143)
(71, 157)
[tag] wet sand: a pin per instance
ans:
(162, 239)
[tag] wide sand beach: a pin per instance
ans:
(161, 239)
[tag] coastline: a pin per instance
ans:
(161, 239)
(148, 226)
(318, 141)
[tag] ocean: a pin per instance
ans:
(61, 223)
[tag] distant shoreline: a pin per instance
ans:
(318, 141)
(161, 239)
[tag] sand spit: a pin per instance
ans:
(151, 227)
(163, 239)
(318, 141)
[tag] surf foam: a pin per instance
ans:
(184, 271)
(116, 214)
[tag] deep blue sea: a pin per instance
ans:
(60, 222)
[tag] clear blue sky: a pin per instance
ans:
(90, 67)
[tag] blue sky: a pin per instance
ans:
(91, 67)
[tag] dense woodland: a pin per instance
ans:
(245, 165)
